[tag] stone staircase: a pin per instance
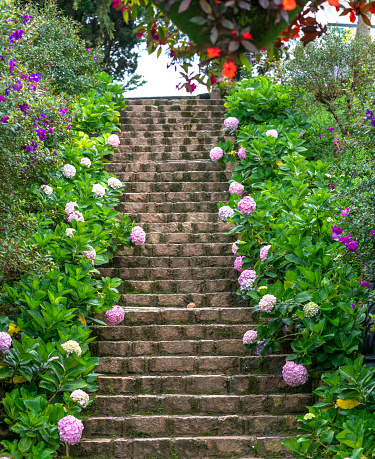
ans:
(177, 382)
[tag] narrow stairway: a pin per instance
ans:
(177, 382)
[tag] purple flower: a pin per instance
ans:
(345, 212)
(331, 128)
(34, 77)
(368, 114)
(352, 246)
(26, 19)
(7, 91)
(365, 284)
(12, 64)
(50, 130)
(346, 239)
(337, 230)
(373, 232)
(16, 35)
(4, 119)
(41, 133)
(32, 87)
(63, 111)
(24, 108)
(17, 86)
(320, 136)
(353, 306)
(2, 99)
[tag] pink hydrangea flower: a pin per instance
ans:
(237, 188)
(5, 342)
(113, 140)
(115, 315)
(247, 279)
(247, 205)
(225, 212)
(89, 254)
(69, 208)
(85, 162)
(238, 262)
(70, 429)
(216, 153)
(231, 123)
(76, 216)
(69, 171)
(264, 252)
(242, 153)
(114, 183)
(81, 397)
(98, 190)
(235, 247)
(137, 235)
(272, 133)
(294, 375)
(250, 337)
(267, 303)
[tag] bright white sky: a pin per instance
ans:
(161, 82)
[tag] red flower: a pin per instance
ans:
(289, 5)
(213, 52)
(334, 2)
(352, 16)
(191, 87)
(139, 34)
(213, 79)
(372, 11)
(229, 69)
(247, 36)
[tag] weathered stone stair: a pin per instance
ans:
(177, 382)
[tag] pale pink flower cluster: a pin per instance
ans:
(264, 252)
(247, 279)
(235, 247)
(72, 346)
(70, 429)
(81, 397)
(47, 189)
(216, 153)
(225, 212)
(85, 162)
(231, 123)
(98, 190)
(69, 171)
(69, 232)
(115, 315)
(267, 303)
(242, 153)
(137, 235)
(69, 208)
(250, 337)
(247, 205)
(76, 216)
(89, 254)
(113, 140)
(294, 375)
(237, 188)
(272, 133)
(114, 183)
(238, 262)
(5, 342)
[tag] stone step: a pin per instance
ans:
(180, 250)
(188, 425)
(166, 262)
(168, 207)
(135, 111)
(173, 187)
(189, 238)
(189, 227)
(175, 102)
(171, 332)
(187, 316)
(178, 286)
(177, 196)
(227, 347)
(178, 176)
(152, 125)
(253, 405)
(177, 134)
(207, 141)
(188, 274)
(212, 365)
(208, 447)
(213, 300)
(198, 384)
(183, 217)
(167, 166)
(131, 154)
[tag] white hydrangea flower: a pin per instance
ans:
(81, 397)
(85, 162)
(47, 189)
(69, 171)
(114, 183)
(70, 232)
(72, 346)
(98, 190)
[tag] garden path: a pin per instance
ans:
(177, 381)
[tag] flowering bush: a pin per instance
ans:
(70, 429)
(115, 315)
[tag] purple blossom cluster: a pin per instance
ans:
(231, 123)
(348, 241)
(115, 315)
(70, 429)
(294, 375)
